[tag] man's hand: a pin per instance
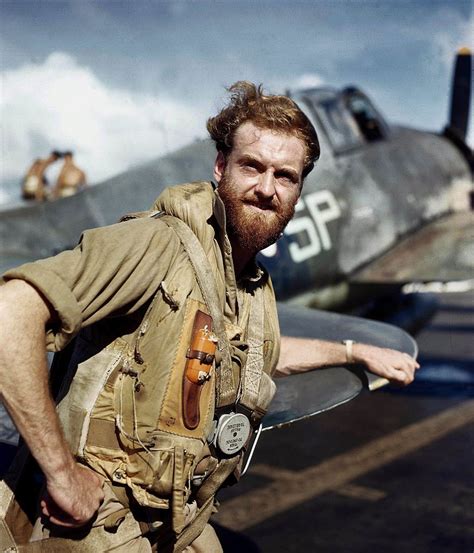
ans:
(397, 367)
(71, 500)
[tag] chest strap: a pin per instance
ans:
(226, 388)
(252, 371)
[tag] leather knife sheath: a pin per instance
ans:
(200, 357)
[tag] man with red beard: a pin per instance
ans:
(259, 183)
(171, 338)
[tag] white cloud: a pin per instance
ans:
(308, 80)
(451, 31)
(59, 104)
(282, 83)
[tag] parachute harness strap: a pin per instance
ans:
(253, 369)
(225, 384)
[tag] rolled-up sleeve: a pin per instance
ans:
(113, 271)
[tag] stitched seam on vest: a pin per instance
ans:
(173, 368)
(191, 306)
(85, 426)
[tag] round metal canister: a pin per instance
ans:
(233, 432)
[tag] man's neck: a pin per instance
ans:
(241, 258)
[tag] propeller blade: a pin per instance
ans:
(461, 94)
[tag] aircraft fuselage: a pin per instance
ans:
(370, 187)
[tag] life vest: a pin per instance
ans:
(121, 402)
(121, 405)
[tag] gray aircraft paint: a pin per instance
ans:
(356, 204)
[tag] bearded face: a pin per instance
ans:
(260, 182)
(253, 222)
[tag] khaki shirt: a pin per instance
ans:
(115, 271)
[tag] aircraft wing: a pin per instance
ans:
(307, 394)
(442, 251)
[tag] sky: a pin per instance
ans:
(122, 82)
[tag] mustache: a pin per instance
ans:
(270, 205)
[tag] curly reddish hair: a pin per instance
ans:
(249, 103)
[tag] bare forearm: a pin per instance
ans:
(73, 492)
(24, 376)
(301, 354)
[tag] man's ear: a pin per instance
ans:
(219, 167)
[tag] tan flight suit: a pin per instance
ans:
(106, 284)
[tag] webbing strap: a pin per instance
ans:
(191, 532)
(7, 541)
(214, 481)
(225, 385)
(253, 369)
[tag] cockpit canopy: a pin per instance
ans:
(348, 118)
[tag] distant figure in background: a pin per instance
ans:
(70, 179)
(35, 182)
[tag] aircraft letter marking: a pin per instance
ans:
(321, 215)
(322, 207)
(301, 253)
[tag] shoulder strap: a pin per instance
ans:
(226, 389)
(253, 369)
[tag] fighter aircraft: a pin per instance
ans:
(385, 205)
(377, 188)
